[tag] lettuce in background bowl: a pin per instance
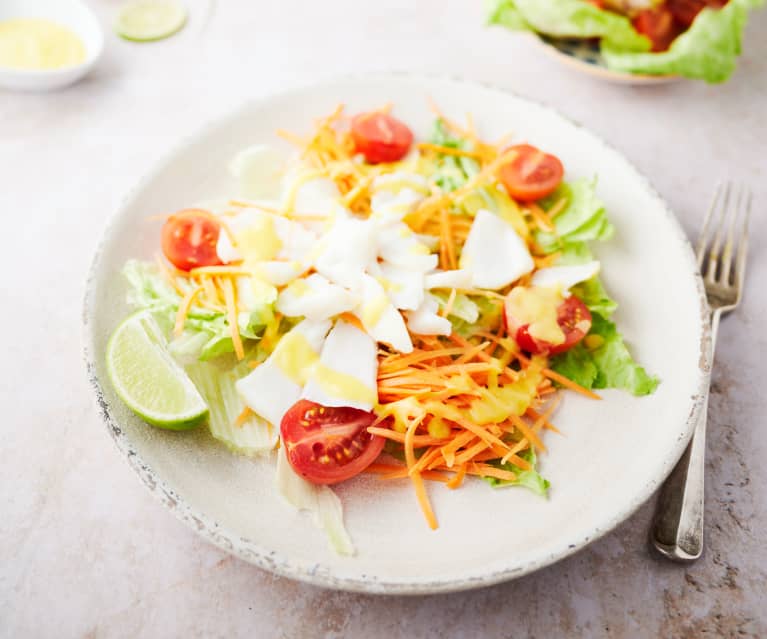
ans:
(708, 50)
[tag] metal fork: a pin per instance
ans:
(677, 531)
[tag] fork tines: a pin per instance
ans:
(724, 229)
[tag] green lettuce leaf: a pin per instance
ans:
(567, 19)
(488, 316)
(530, 479)
(584, 219)
(593, 294)
(607, 364)
(206, 332)
(708, 50)
(216, 384)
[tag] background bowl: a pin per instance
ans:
(70, 13)
(584, 56)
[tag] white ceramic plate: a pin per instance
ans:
(613, 455)
(584, 55)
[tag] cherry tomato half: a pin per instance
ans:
(685, 11)
(532, 174)
(189, 239)
(327, 445)
(574, 319)
(381, 137)
(658, 25)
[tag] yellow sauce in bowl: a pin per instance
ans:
(38, 44)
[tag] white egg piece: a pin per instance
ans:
(404, 286)
(258, 169)
(347, 372)
(308, 195)
(316, 298)
(564, 277)
(426, 321)
(297, 242)
(255, 237)
(494, 253)
(272, 388)
(280, 273)
(253, 292)
(430, 241)
(346, 250)
(397, 244)
(396, 195)
(458, 278)
(380, 318)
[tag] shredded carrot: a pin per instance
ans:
(542, 220)
(447, 309)
(243, 417)
(213, 271)
(485, 470)
(231, 306)
(557, 208)
(352, 319)
(419, 441)
(568, 383)
(457, 479)
(446, 150)
(183, 309)
(527, 431)
(431, 475)
(448, 238)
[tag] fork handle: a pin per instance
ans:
(677, 531)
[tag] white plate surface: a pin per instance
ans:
(613, 455)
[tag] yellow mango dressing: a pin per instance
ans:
(38, 44)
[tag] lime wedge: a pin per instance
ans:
(148, 379)
(149, 20)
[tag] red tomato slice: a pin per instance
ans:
(532, 174)
(685, 11)
(658, 25)
(574, 319)
(381, 137)
(327, 445)
(189, 239)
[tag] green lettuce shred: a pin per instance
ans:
(452, 172)
(530, 479)
(321, 502)
(567, 19)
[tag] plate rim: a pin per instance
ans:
(250, 551)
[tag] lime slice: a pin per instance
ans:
(148, 379)
(148, 20)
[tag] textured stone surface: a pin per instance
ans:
(86, 552)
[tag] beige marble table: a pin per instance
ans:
(85, 551)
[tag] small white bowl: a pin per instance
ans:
(69, 13)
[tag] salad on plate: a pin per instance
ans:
(698, 39)
(376, 303)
